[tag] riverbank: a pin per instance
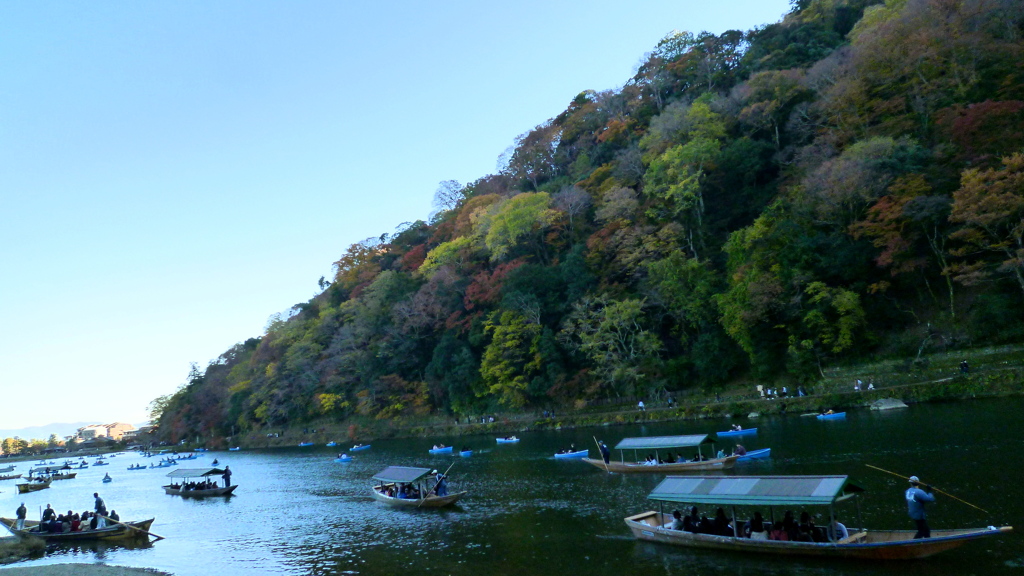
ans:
(79, 570)
(993, 371)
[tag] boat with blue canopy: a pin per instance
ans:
(778, 493)
(663, 462)
(404, 486)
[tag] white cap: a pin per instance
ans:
(914, 480)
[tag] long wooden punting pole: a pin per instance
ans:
(932, 487)
(599, 451)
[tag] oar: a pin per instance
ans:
(157, 536)
(932, 487)
(599, 451)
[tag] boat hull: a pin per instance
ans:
(576, 454)
(445, 450)
(200, 493)
(10, 477)
(711, 465)
(109, 533)
(506, 441)
(836, 416)
(870, 545)
(357, 448)
(349, 459)
(428, 502)
(466, 453)
(32, 487)
(747, 432)
(751, 455)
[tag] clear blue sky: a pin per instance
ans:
(174, 173)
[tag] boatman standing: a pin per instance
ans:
(101, 511)
(606, 453)
(227, 476)
(916, 499)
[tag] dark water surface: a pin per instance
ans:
(297, 512)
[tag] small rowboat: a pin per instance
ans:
(6, 469)
(137, 467)
(576, 454)
(392, 477)
(833, 416)
(331, 444)
(304, 444)
(359, 447)
(235, 449)
(660, 443)
(63, 475)
(100, 463)
(445, 450)
(785, 492)
(123, 531)
(107, 479)
(10, 477)
(205, 473)
(466, 453)
(343, 459)
(32, 486)
(745, 432)
(507, 440)
(761, 454)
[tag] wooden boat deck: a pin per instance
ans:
(428, 502)
(112, 532)
(200, 493)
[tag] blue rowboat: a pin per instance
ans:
(576, 454)
(507, 440)
(445, 450)
(343, 459)
(235, 449)
(304, 444)
(747, 432)
(332, 444)
(466, 453)
(756, 455)
(359, 447)
(836, 416)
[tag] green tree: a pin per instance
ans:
(511, 358)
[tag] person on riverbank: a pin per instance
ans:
(21, 513)
(916, 499)
(640, 406)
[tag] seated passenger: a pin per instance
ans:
(722, 526)
(692, 521)
(805, 530)
(721, 454)
(837, 531)
(755, 528)
(677, 521)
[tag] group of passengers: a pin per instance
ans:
(204, 485)
(54, 523)
(757, 528)
(403, 491)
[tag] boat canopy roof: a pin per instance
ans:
(401, 474)
(195, 472)
(753, 490)
(659, 442)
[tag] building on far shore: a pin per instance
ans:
(115, 431)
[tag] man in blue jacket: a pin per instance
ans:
(916, 499)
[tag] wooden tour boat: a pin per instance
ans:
(786, 492)
(392, 477)
(10, 477)
(203, 473)
(33, 486)
(6, 469)
(123, 531)
(664, 443)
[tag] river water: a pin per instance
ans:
(297, 512)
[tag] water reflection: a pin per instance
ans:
(298, 512)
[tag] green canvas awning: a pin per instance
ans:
(194, 472)
(662, 442)
(751, 490)
(401, 474)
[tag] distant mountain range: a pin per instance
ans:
(61, 429)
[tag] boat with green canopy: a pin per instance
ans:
(663, 461)
(778, 493)
(413, 487)
(197, 483)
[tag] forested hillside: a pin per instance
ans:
(846, 183)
